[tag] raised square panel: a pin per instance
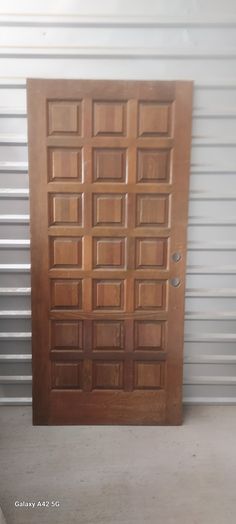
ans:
(66, 375)
(149, 334)
(151, 253)
(66, 293)
(152, 210)
(153, 119)
(66, 334)
(66, 209)
(65, 164)
(148, 375)
(109, 165)
(109, 118)
(108, 334)
(153, 165)
(108, 375)
(108, 210)
(64, 117)
(108, 294)
(108, 252)
(66, 252)
(150, 294)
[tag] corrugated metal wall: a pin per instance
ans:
(181, 39)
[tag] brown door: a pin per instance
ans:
(109, 174)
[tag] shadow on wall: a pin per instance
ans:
(2, 518)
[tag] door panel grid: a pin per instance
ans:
(114, 180)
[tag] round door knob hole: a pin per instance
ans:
(175, 282)
(176, 256)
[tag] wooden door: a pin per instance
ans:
(109, 174)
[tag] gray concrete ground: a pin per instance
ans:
(120, 475)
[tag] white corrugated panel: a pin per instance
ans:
(136, 40)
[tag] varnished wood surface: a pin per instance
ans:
(109, 175)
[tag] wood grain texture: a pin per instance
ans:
(109, 161)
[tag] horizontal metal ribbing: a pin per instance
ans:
(210, 359)
(15, 268)
(13, 82)
(192, 221)
(195, 380)
(15, 401)
(15, 139)
(215, 113)
(210, 401)
(229, 141)
(15, 335)
(201, 359)
(70, 51)
(191, 270)
(78, 20)
(20, 112)
(207, 195)
(189, 293)
(211, 270)
(15, 314)
(17, 112)
(198, 168)
(203, 315)
(191, 246)
(210, 337)
(212, 221)
(15, 379)
(210, 315)
(211, 169)
(211, 246)
(205, 337)
(27, 401)
(210, 381)
(217, 84)
(10, 139)
(210, 293)
(13, 167)
(13, 219)
(189, 337)
(14, 291)
(14, 193)
(14, 243)
(19, 193)
(15, 358)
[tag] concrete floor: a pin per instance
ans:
(120, 475)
